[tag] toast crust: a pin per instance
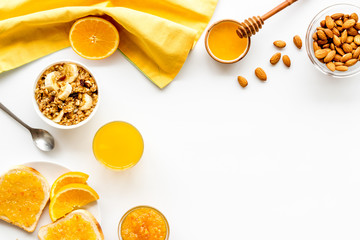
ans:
(84, 213)
(46, 190)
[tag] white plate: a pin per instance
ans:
(50, 171)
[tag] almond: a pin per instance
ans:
(349, 23)
(320, 54)
(343, 36)
(323, 23)
(286, 60)
(340, 51)
(280, 44)
(357, 39)
(315, 37)
(336, 32)
(337, 58)
(356, 53)
(339, 63)
(353, 45)
(351, 62)
(329, 22)
(357, 26)
(347, 48)
(242, 81)
(349, 39)
(337, 41)
(321, 35)
(346, 57)
(330, 56)
(297, 41)
(329, 33)
(275, 58)
(341, 68)
(316, 46)
(260, 73)
(355, 17)
(352, 31)
(331, 66)
(339, 22)
(337, 16)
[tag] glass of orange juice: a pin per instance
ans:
(118, 145)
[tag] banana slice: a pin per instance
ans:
(58, 118)
(88, 102)
(71, 72)
(50, 81)
(65, 91)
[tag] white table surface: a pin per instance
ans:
(276, 160)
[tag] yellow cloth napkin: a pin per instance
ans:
(155, 35)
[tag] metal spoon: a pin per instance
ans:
(42, 139)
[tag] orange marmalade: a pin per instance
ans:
(74, 228)
(144, 223)
(21, 195)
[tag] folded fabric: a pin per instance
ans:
(156, 36)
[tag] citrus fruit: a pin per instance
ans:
(67, 178)
(70, 197)
(94, 38)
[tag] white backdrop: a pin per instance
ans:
(276, 160)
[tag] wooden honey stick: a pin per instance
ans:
(252, 25)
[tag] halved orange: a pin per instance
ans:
(70, 197)
(94, 38)
(67, 178)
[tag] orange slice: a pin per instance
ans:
(67, 178)
(70, 197)
(94, 38)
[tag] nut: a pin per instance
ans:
(320, 54)
(357, 39)
(297, 41)
(260, 73)
(329, 22)
(281, 44)
(275, 58)
(351, 62)
(346, 57)
(330, 56)
(341, 68)
(286, 60)
(242, 81)
(331, 66)
(349, 23)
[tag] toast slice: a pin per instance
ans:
(24, 193)
(78, 224)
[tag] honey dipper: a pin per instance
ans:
(252, 25)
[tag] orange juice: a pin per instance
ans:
(118, 145)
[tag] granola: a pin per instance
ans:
(66, 93)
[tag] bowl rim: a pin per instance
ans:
(49, 121)
(308, 44)
(219, 59)
(143, 206)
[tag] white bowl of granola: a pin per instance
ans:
(66, 95)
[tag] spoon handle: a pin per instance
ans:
(14, 117)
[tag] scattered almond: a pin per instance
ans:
(242, 81)
(286, 60)
(275, 58)
(280, 44)
(260, 73)
(297, 41)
